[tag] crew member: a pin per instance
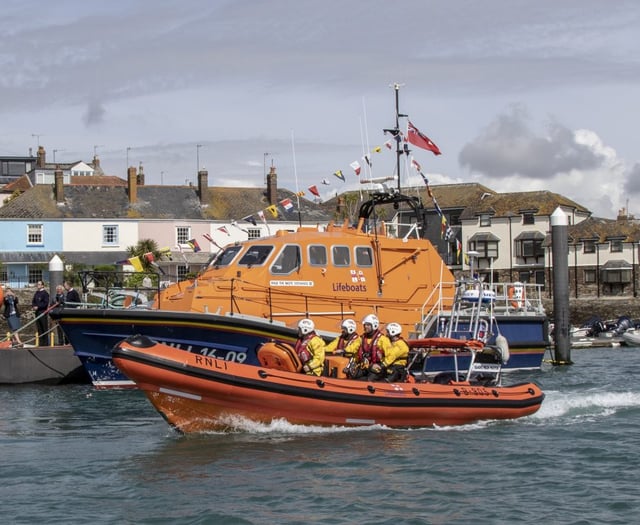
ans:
(310, 348)
(347, 336)
(395, 359)
(368, 351)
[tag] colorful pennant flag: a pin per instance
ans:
(299, 193)
(415, 137)
(223, 229)
(356, 167)
(157, 267)
(286, 204)
(149, 257)
(367, 159)
(210, 239)
(325, 182)
(249, 218)
(262, 217)
(389, 144)
(377, 149)
(136, 263)
(193, 244)
(339, 175)
(314, 190)
(273, 210)
(414, 164)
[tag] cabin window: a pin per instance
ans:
(317, 255)
(341, 256)
(256, 255)
(225, 258)
(364, 256)
(288, 260)
(35, 234)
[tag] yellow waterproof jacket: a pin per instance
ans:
(383, 345)
(397, 354)
(316, 347)
(340, 343)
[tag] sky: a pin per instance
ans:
(518, 95)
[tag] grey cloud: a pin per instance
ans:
(94, 114)
(632, 183)
(508, 147)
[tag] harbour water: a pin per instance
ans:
(71, 454)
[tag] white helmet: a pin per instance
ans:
(306, 326)
(372, 320)
(394, 329)
(349, 325)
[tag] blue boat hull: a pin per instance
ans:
(93, 333)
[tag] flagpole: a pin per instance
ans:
(396, 88)
(295, 174)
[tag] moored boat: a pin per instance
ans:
(195, 393)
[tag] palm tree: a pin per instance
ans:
(145, 246)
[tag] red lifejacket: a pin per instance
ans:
(370, 350)
(301, 347)
(344, 341)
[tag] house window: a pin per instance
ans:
(454, 219)
(528, 218)
(485, 249)
(183, 234)
(616, 245)
(182, 271)
(3, 276)
(35, 235)
(589, 247)
(589, 276)
(254, 233)
(317, 255)
(485, 219)
(35, 275)
(110, 234)
(616, 276)
(529, 248)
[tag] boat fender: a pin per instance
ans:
(140, 341)
(503, 346)
(456, 392)
(415, 391)
(495, 393)
(320, 383)
(371, 389)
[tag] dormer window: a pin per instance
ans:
(528, 218)
(589, 246)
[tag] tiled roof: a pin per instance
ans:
(154, 202)
(601, 230)
(22, 183)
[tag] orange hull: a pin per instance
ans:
(195, 393)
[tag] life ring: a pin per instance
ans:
(516, 295)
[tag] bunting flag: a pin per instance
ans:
(443, 226)
(136, 263)
(157, 267)
(149, 257)
(166, 252)
(377, 149)
(356, 167)
(249, 218)
(415, 137)
(389, 144)
(262, 217)
(314, 190)
(193, 244)
(458, 250)
(124, 261)
(210, 239)
(325, 182)
(223, 229)
(273, 210)
(367, 159)
(235, 224)
(414, 164)
(286, 204)
(339, 175)
(299, 193)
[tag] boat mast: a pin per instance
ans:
(399, 151)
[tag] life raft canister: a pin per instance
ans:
(516, 295)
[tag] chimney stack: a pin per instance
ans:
(132, 186)
(140, 177)
(42, 157)
(272, 185)
(203, 186)
(59, 185)
(96, 162)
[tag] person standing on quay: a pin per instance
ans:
(73, 297)
(40, 304)
(12, 315)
